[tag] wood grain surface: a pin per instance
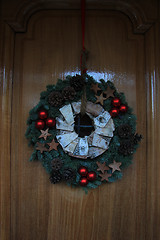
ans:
(6, 74)
(31, 207)
(49, 50)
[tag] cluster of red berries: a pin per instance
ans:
(117, 107)
(44, 120)
(86, 176)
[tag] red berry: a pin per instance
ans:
(83, 171)
(116, 102)
(40, 124)
(43, 114)
(91, 176)
(50, 122)
(83, 181)
(123, 108)
(114, 112)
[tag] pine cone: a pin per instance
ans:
(55, 177)
(55, 99)
(126, 147)
(56, 164)
(69, 174)
(68, 93)
(77, 82)
(124, 131)
(137, 138)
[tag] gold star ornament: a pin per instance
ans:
(53, 145)
(95, 88)
(41, 147)
(115, 166)
(102, 167)
(109, 92)
(100, 99)
(45, 134)
(105, 176)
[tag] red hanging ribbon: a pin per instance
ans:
(83, 54)
(83, 3)
(83, 57)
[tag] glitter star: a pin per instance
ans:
(53, 145)
(45, 134)
(41, 147)
(102, 167)
(95, 88)
(115, 166)
(100, 99)
(105, 176)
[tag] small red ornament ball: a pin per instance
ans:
(116, 102)
(91, 176)
(40, 124)
(83, 181)
(123, 108)
(83, 171)
(50, 122)
(114, 112)
(43, 114)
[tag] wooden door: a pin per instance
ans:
(38, 47)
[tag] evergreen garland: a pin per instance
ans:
(121, 148)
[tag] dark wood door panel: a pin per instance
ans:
(50, 49)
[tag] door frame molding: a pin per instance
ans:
(136, 15)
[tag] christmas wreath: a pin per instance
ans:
(83, 149)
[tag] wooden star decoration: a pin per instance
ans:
(105, 176)
(53, 145)
(115, 166)
(45, 134)
(41, 147)
(95, 88)
(100, 99)
(109, 92)
(102, 167)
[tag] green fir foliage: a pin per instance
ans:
(32, 134)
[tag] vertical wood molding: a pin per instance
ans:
(6, 71)
(152, 48)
